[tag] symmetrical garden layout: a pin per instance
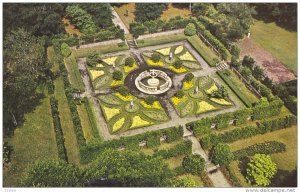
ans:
(190, 98)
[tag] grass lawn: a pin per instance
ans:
(175, 162)
(34, 140)
(73, 72)
(160, 40)
(122, 11)
(280, 42)
(286, 160)
(172, 11)
(71, 29)
(85, 122)
(66, 122)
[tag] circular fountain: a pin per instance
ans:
(153, 81)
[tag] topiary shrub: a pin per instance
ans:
(188, 77)
(190, 29)
(129, 61)
(177, 64)
(92, 59)
(221, 154)
(65, 50)
(193, 164)
(179, 94)
(117, 75)
(155, 57)
(150, 99)
(123, 90)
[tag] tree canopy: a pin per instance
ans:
(148, 11)
(222, 155)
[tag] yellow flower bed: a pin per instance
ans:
(164, 51)
(137, 121)
(99, 65)
(151, 63)
(178, 49)
(96, 73)
(187, 56)
(204, 106)
(155, 105)
(116, 82)
(180, 70)
(176, 101)
(111, 60)
(110, 112)
(221, 101)
(188, 85)
(212, 89)
(124, 98)
(129, 69)
(118, 124)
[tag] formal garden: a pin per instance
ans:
(170, 103)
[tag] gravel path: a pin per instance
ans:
(118, 22)
(166, 33)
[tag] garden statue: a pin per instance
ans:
(131, 103)
(171, 56)
(196, 90)
(248, 35)
(114, 65)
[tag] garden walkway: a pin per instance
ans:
(118, 22)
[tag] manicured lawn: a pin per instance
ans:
(280, 42)
(172, 11)
(122, 11)
(175, 162)
(73, 72)
(32, 141)
(85, 122)
(66, 122)
(160, 40)
(286, 160)
(102, 49)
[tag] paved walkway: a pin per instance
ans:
(118, 22)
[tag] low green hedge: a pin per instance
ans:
(267, 147)
(91, 117)
(183, 148)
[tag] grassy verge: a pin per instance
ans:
(91, 115)
(171, 11)
(160, 40)
(121, 10)
(74, 75)
(102, 49)
(206, 53)
(85, 122)
(280, 42)
(34, 140)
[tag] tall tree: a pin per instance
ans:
(101, 13)
(24, 66)
(148, 11)
(37, 18)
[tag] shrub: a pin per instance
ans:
(153, 139)
(220, 93)
(155, 57)
(117, 75)
(222, 155)
(123, 90)
(267, 147)
(173, 133)
(190, 29)
(260, 170)
(65, 50)
(183, 148)
(193, 164)
(177, 64)
(184, 182)
(179, 94)
(150, 99)
(188, 77)
(129, 61)
(92, 59)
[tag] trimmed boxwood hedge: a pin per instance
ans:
(91, 117)
(241, 133)
(267, 147)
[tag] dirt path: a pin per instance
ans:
(273, 67)
(118, 22)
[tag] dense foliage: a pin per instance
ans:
(148, 11)
(155, 57)
(260, 170)
(131, 168)
(117, 75)
(188, 77)
(65, 50)
(190, 29)
(193, 164)
(129, 61)
(123, 90)
(179, 94)
(183, 148)
(150, 99)
(184, 182)
(221, 154)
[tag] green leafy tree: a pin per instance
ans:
(188, 77)
(148, 11)
(184, 182)
(177, 64)
(155, 57)
(179, 94)
(129, 61)
(65, 50)
(258, 73)
(190, 29)
(260, 170)
(248, 61)
(52, 173)
(123, 90)
(246, 73)
(100, 12)
(221, 154)
(150, 99)
(131, 168)
(92, 59)
(193, 164)
(117, 75)
(220, 93)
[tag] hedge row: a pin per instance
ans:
(234, 88)
(152, 138)
(241, 133)
(261, 88)
(69, 94)
(60, 141)
(91, 117)
(268, 147)
(183, 148)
